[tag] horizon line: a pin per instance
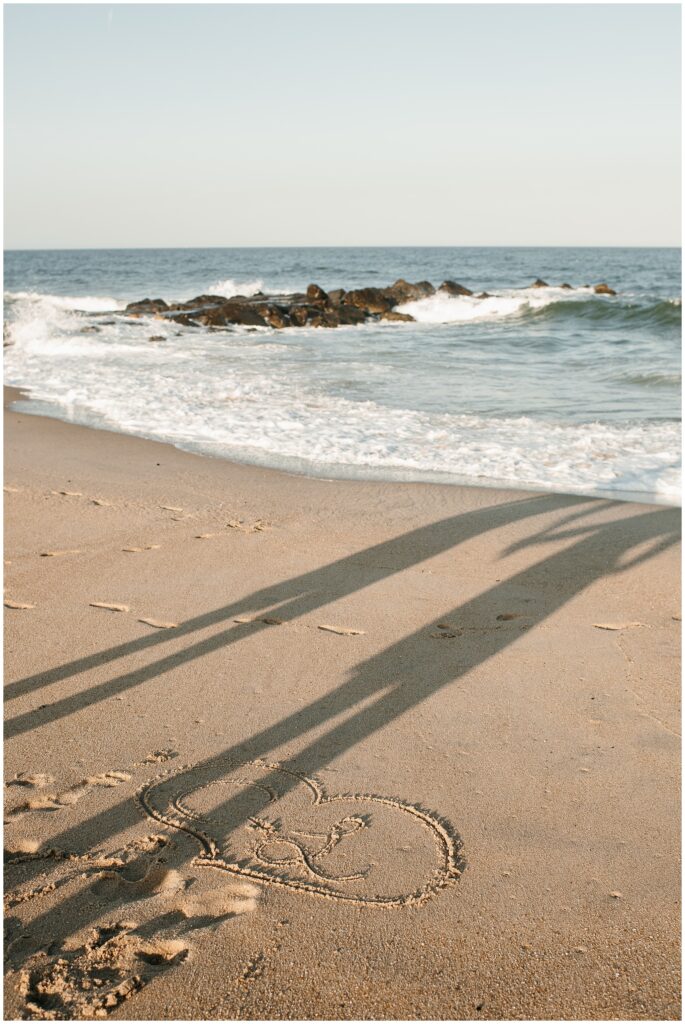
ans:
(136, 248)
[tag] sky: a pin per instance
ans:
(247, 124)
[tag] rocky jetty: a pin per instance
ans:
(313, 308)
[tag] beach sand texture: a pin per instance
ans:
(279, 747)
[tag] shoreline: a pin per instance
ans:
(12, 395)
(478, 686)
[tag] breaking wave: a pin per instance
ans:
(83, 303)
(229, 288)
(447, 309)
(548, 303)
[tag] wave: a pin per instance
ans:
(253, 397)
(542, 304)
(78, 303)
(228, 288)
(255, 409)
(36, 321)
(653, 379)
(550, 303)
(446, 309)
(659, 313)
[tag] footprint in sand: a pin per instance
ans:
(257, 527)
(159, 624)
(58, 554)
(146, 547)
(34, 779)
(91, 981)
(69, 494)
(343, 630)
(112, 778)
(234, 898)
(158, 757)
(101, 502)
(21, 846)
(157, 879)
(9, 603)
(109, 607)
(68, 797)
(89, 976)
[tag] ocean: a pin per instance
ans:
(550, 389)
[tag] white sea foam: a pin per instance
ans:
(228, 288)
(83, 303)
(441, 308)
(254, 397)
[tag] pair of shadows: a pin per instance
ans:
(386, 686)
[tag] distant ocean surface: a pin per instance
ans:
(531, 388)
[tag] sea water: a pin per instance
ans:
(554, 389)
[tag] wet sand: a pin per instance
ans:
(458, 801)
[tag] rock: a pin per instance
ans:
(452, 288)
(538, 283)
(316, 308)
(91, 329)
(317, 296)
(351, 314)
(323, 319)
(274, 315)
(567, 286)
(156, 337)
(298, 316)
(305, 315)
(146, 306)
(200, 301)
(232, 312)
(371, 300)
(603, 289)
(184, 318)
(402, 291)
(393, 315)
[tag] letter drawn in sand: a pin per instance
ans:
(277, 826)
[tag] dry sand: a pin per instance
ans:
(458, 800)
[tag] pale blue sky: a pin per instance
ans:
(193, 125)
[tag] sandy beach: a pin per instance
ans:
(280, 747)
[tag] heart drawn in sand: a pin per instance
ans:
(277, 826)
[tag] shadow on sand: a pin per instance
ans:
(385, 686)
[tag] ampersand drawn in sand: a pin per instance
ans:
(311, 860)
(277, 826)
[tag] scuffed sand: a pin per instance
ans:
(337, 818)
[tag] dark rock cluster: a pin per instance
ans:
(313, 308)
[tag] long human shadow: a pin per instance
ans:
(399, 681)
(403, 552)
(288, 600)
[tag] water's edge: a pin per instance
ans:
(19, 400)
